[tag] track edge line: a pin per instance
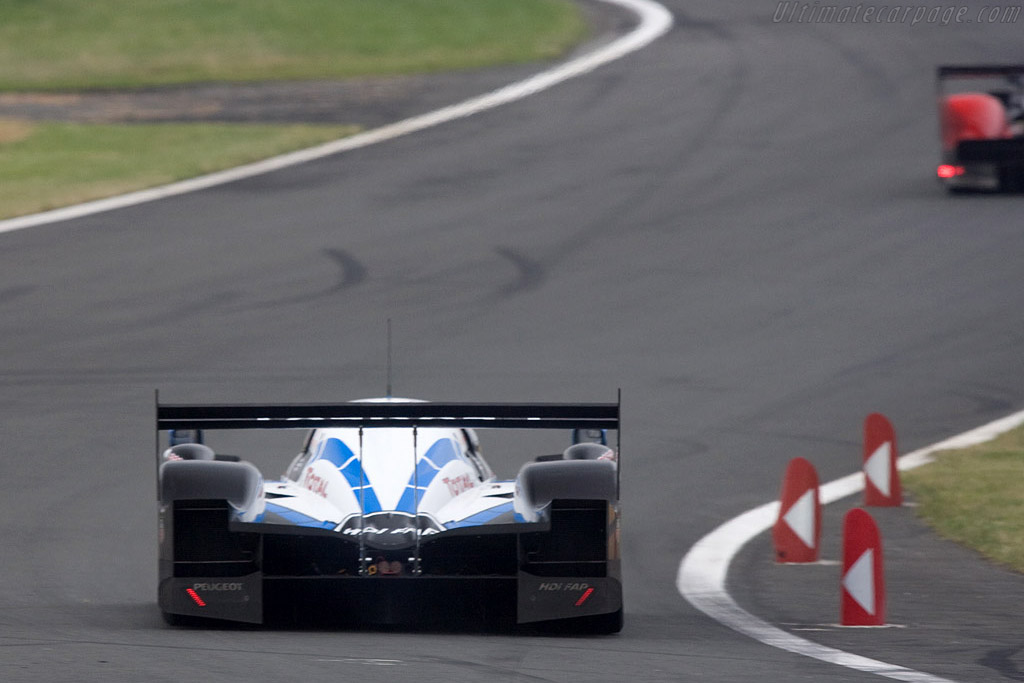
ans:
(655, 21)
(701, 578)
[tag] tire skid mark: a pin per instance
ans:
(530, 274)
(352, 273)
(352, 270)
(12, 293)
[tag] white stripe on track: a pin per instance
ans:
(702, 572)
(654, 22)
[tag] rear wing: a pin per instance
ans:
(979, 70)
(374, 415)
(950, 79)
(371, 415)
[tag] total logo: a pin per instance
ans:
(459, 484)
(315, 483)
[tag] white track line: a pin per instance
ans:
(702, 573)
(655, 21)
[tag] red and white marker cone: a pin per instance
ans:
(882, 479)
(863, 584)
(797, 531)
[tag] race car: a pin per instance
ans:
(981, 115)
(389, 515)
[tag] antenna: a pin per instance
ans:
(388, 393)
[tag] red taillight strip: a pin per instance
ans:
(195, 597)
(583, 598)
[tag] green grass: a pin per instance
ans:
(976, 497)
(77, 44)
(46, 165)
(58, 45)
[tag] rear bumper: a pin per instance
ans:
(973, 177)
(985, 165)
(414, 601)
(567, 569)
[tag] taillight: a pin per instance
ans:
(949, 171)
(583, 598)
(195, 597)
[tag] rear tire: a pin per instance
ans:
(172, 619)
(602, 624)
(596, 625)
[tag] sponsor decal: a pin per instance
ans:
(459, 484)
(374, 531)
(315, 483)
(218, 586)
(564, 586)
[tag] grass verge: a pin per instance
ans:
(70, 44)
(58, 45)
(975, 497)
(46, 165)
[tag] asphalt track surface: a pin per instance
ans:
(737, 226)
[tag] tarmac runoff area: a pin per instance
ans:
(934, 611)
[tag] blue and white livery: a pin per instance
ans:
(391, 515)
